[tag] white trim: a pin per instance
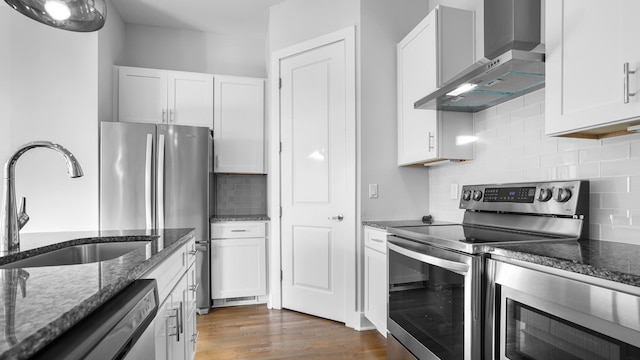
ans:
(275, 252)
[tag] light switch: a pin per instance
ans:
(373, 191)
(454, 191)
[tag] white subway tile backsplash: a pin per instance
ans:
(605, 153)
(559, 159)
(634, 183)
(635, 149)
(621, 167)
(535, 97)
(621, 201)
(512, 147)
(567, 144)
(625, 234)
(526, 112)
(507, 107)
(547, 146)
(609, 185)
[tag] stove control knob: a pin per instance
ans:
(477, 195)
(545, 194)
(563, 195)
(466, 195)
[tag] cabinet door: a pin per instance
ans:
(238, 268)
(375, 287)
(142, 95)
(177, 333)
(238, 125)
(190, 99)
(584, 84)
(190, 332)
(417, 76)
(162, 323)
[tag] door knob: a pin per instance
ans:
(338, 217)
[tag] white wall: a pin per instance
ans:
(403, 191)
(295, 21)
(512, 147)
(110, 51)
(50, 85)
(173, 49)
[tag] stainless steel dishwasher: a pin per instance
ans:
(116, 330)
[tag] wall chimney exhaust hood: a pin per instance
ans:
(511, 66)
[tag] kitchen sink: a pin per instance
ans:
(78, 254)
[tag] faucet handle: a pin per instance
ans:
(23, 275)
(23, 217)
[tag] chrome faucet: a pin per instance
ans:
(11, 221)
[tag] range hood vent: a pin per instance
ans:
(511, 68)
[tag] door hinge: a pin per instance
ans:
(281, 275)
(279, 83)
(280, 211)
(280, 147)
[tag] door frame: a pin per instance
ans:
(274, 179)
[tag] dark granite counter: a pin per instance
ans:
(384, 224)
(619, 262)
(223, 218)
(40, 303)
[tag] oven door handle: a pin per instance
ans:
(460, 268)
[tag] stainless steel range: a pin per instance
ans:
(436, 271)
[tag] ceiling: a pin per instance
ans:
(245, 18)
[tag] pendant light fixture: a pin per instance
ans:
(73, 15)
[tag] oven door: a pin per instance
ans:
(434, 300)
(543, 316)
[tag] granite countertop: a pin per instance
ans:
(223, 218)
(384, 224)
(40, 303)
(614, 261)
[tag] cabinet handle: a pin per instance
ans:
(164, 117)
(216, 161)
(194, 252)
(377, 240)
(626, 82)
(194, 288)
(431, 146)
(194, 337)
(242, 230)
(180, 319)
(170, 115)
(177, 327)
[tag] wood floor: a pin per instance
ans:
(255, 332)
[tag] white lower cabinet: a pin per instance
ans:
(375, 278)
(175, 331)
(238, 262)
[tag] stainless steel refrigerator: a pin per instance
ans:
(157, 177)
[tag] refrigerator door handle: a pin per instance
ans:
(160, 178)
(148, 196)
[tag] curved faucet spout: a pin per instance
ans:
(73, 166)
(10, 241)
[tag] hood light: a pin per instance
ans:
(57, 10)
(462, 89)
(635, 128)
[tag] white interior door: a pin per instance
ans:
(314, 185)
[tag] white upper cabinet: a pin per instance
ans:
(238, 130)
(587, 91)
(163, 96)
(438, 48)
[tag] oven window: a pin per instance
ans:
(536, 335)
(428, 302)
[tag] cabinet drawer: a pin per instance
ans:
(375, 239)
(169, 271)
(240, 229)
